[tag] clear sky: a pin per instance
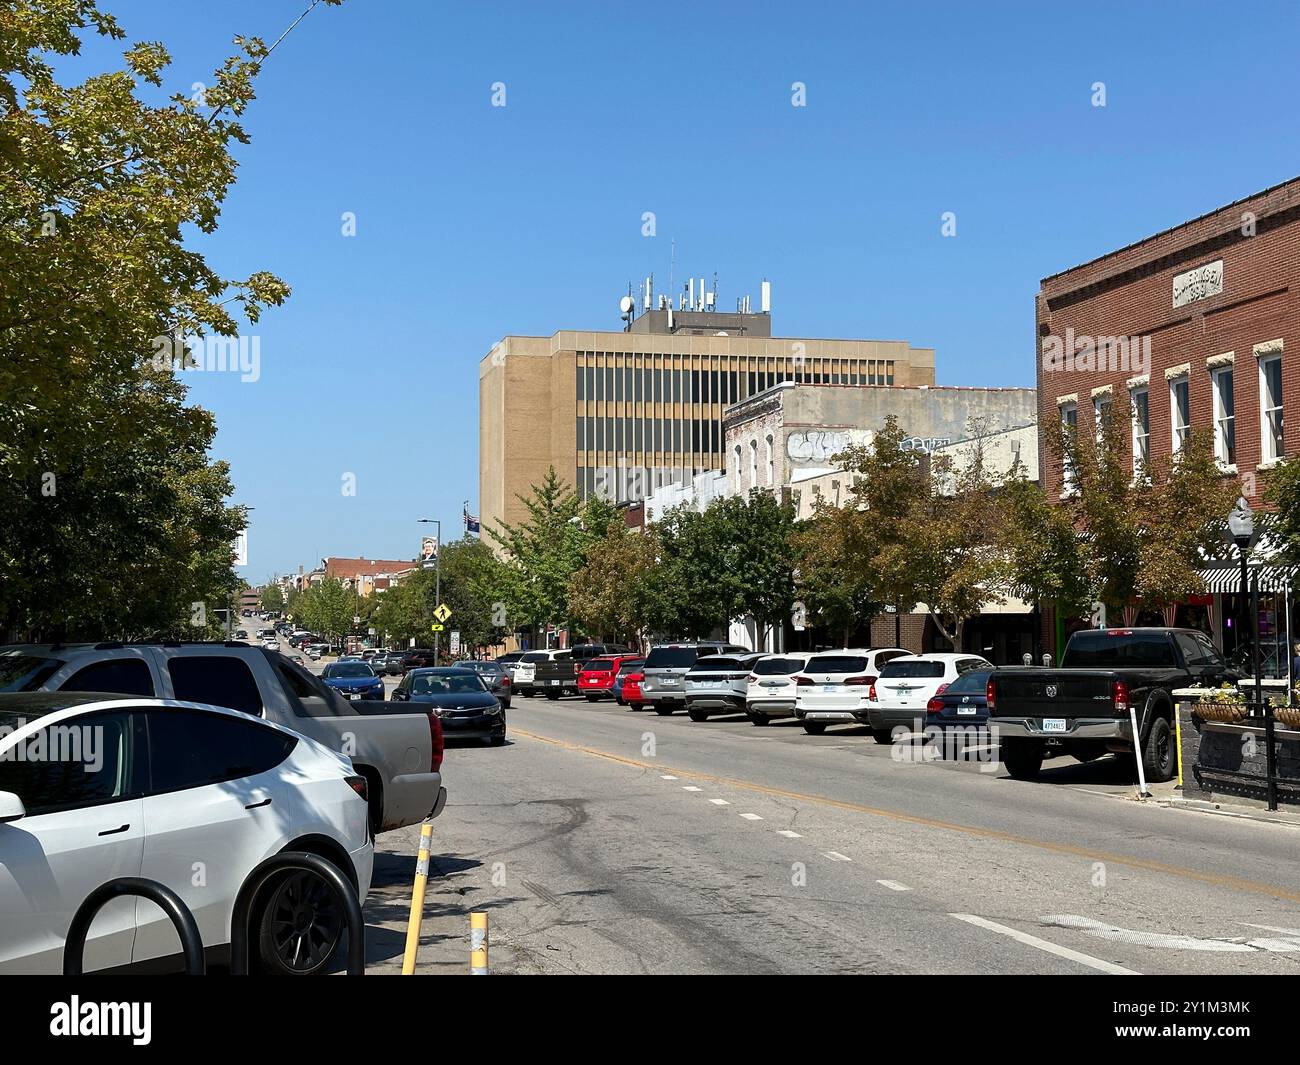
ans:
(475, 221)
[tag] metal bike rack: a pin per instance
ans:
(164, 897)
(296, 860)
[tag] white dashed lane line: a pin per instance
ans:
(836, 856)
(893, 885)
(691, 787)
(788, 834)
(719, 802)
(751, 817)
(1044, 945)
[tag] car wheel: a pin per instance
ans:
(814, 728)
(592, 698)
(697, 715)
(497, 741)
(553, 696)
(505, 703)
(637, 707)
(300, 927)
(1158, 752)
(882, 735)
(664, 711)
(759, 719)
(1022, 757)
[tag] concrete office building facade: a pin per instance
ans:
(619, 414)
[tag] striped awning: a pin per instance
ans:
(1226, 580)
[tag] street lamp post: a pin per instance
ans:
(437, 578)
(1241, 525)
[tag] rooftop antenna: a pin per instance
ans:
(672, 264)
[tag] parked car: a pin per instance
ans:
(395, 664)
(353, 679)
(627, 686)
(716, 684)
(419, 658)
(526, 668)
(905, 685)
(835, 686)
(770, 687)
(597, 677)
(173, 783)
(963, 702)
(666, 665)
(1082, 708)
(494, 678)
(465, 706)
(558, 674)
(509, 661)
(398, 752)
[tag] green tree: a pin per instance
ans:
(757, 557)
(838, 591)
(272, 598)
(327, 608)
(116, 522)
(608, 596)
(473, 583)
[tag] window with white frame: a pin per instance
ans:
(1141, 428)
(1225, 426)
(1100, 412)
(1070, 423)
(1180, 411)
(1270, 407)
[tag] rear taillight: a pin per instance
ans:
(752, 678)
(801, 681)
(505, 681)
(357, 784)
(859, 681)
(435, 742)
(988, 694)
(934, 706)
(871, 693)
(1120, 694)
(941, 689)
(635, 678)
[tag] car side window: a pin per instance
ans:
(83, 761)
(123, 676)
(222, 680)
(191, 748)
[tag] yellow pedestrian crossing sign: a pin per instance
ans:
(442, 614)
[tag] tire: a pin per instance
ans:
(505, 703)
(1159, 759)
(553, 696)
(637, 707)
(593, 698)
(497, 741)
(1022, 757)
(1084, 751)
(814, 728)
(664, 711)
(697, 715)
(759, 719)
(882, 735)
(300, 926)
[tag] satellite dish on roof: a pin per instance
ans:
(626, 305)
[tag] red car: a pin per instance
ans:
(627, 686)
(596, 677)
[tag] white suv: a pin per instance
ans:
(906, 684)
(771, 689)
(834, 686)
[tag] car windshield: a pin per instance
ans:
(536, 656)
(713, 664)
(1112, 649)
(913, 668)
(348, 669)
(836, 664)
(445, 684)
(778, 667)
(974, 681)
(660, 657)
(25, 673)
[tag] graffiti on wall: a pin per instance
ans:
(820, 446)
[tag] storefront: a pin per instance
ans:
(1230, 617)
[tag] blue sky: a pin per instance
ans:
(476, 221)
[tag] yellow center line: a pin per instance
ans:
(1234, 883)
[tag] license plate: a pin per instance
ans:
(830, 687)
(555, 684)
(354, 695)
(966, 710)
(1054, 724)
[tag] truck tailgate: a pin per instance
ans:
(1067, 693)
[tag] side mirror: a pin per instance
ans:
(11, 807)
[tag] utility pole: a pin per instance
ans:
(437, 577)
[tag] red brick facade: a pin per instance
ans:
(1130, 293)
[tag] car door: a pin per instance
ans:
(83, 827)
(216, 804)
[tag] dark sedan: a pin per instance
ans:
(466, 707)
(961, 702)
(353, 680)
(494, 677)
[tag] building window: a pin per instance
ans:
(740, 472)
(1070, 424)
(771, 461)
(1270, 407)
(753, 464)
(1180, 412)
(1225, 427)
(1141, 428)
(1100, 414)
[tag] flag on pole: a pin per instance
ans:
(471, 522)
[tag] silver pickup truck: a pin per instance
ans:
(399, 753)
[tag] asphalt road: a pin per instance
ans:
(605, 841)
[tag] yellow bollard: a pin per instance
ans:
(1178, 740)
(417, 899)
(478, 944)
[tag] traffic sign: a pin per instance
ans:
(435, 627)
(455, 641)
(442, 613)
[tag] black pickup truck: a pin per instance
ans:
(559, 675)
(1082, 708)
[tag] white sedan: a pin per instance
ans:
(95, 787)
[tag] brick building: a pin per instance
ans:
(1197, 326)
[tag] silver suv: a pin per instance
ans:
(716, 685)
(666, 666)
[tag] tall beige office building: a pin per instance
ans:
(621, 413)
